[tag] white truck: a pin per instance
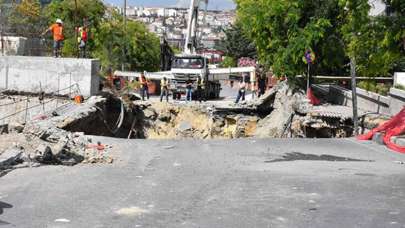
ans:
(188, 68)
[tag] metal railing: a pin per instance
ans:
(54, 96)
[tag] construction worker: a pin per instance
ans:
(164, 87)
(189, 90)
(112, 81)
(144, 87)
(200, 89)
(261, 84)
(82, 41)
(110, 78)
(241, 91)
(57, 31)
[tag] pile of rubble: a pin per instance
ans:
(44, 141)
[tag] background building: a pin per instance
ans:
(172, 24)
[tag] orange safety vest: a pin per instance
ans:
(57, 31)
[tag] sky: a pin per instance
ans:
(213, 4)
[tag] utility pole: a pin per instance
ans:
(354, 95)
(125, 35)
(2, 24)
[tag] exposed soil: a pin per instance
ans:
(280, 113)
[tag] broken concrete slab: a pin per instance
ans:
(15, 127)
(150, 114)
(11, 157)
(57, 145)
(43, 154)
(285, 104)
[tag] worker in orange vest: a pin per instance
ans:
(144, 87)
(82, 41)
(57, 31)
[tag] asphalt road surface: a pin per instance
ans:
(230, 183)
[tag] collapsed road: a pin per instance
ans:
(59, 136)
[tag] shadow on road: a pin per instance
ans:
(3, 206)
(296, 156)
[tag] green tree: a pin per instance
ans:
(142, 48)
(335, 30)
(228, 62)
(375, 42)
(109, 40)
(89, 12)
(27, 19)
(236, 44)
(283, 30)
(396, 31)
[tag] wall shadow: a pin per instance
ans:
(3, 206)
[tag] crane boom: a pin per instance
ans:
(192, 26)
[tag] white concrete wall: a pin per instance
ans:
(366, 101)
(399, 78)
(33, 74)
(397, 101)
(369, 101)
(13, 45)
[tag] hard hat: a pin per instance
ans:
(59, 21)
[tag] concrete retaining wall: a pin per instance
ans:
(13, 45)
(33, 74)
(369, 101)
(366, 101)
(397, 100)
(399, 78)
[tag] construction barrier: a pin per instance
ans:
(311, 97)
(393, 127)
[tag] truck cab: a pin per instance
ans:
(190, 67)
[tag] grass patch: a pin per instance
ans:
(373, 86)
